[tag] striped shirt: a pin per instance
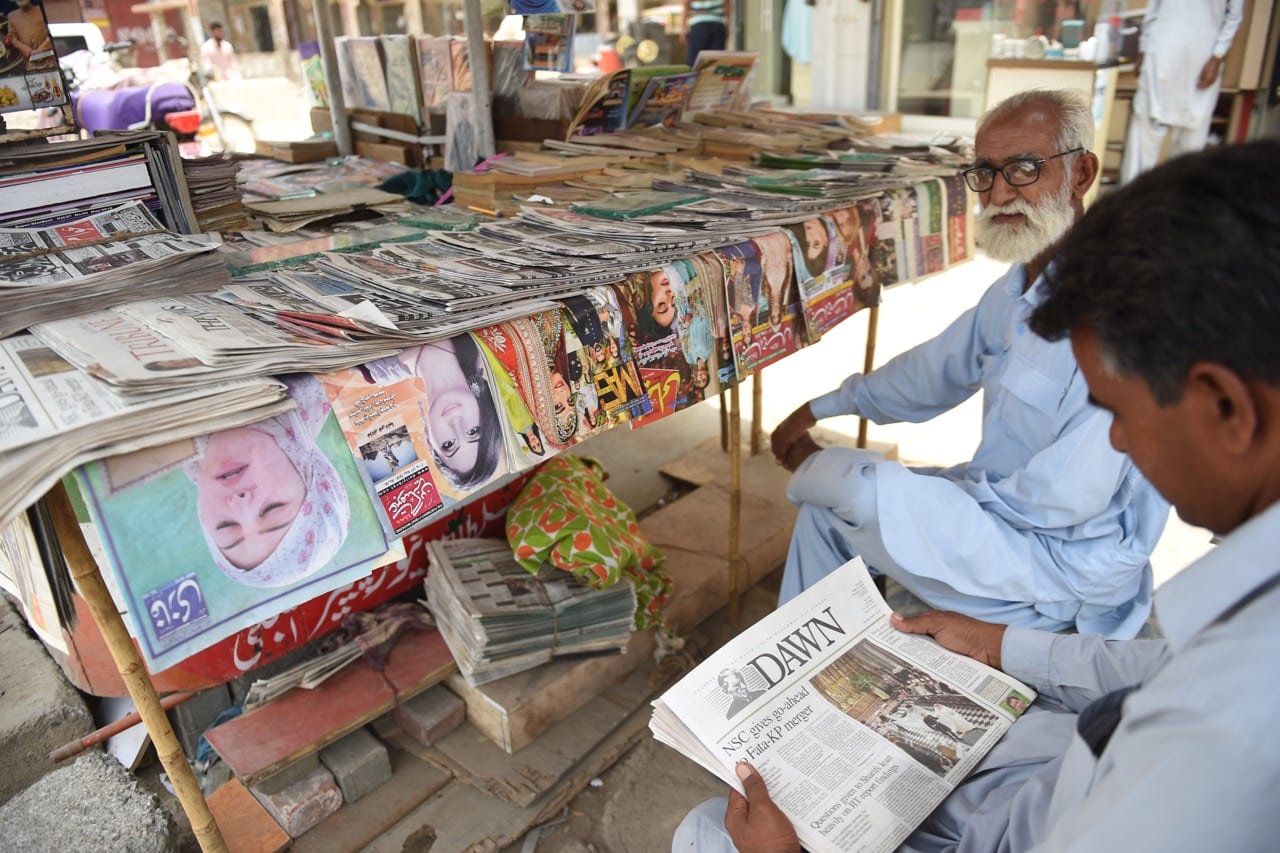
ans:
(707, 12)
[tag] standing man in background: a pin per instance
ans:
(1179, 75)
(704, 26)
(218, 56)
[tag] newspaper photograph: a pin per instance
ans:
(858, 730)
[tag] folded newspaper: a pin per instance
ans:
(858, 730)
(498, 619)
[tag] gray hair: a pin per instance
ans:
(1073, 108)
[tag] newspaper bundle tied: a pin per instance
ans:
(858, 730)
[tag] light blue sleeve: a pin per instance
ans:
(1075, 669)
(1066, 484)
(917, 385)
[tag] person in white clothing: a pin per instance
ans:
(1180, 72)
(218, 57)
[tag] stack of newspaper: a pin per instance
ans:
(498, 619)
(858, 730)
(54, 417)
(96, 262)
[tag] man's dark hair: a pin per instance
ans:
(1180, 266)
(215, 26)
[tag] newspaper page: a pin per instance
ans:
(858, 730)
(90, 246)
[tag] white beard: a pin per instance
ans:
(1045, 224)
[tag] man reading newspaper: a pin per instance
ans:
(1168, 292)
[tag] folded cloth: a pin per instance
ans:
(565, 516)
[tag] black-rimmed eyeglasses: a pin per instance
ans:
(1018, 172)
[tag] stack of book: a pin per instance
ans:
(51, 184)
(498, 619)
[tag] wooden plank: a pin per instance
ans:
(245, 825)
(356, 824)
(259, 744)
(522, 778)
(513, 711)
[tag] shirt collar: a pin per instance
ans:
(1191, 600)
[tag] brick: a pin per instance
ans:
(299, 799)
(359, 764)
(245, 825)
(431, 715)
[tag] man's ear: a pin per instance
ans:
(1225, 407)
(1084, 173)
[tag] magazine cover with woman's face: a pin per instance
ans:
(210, 535)
(426, 426)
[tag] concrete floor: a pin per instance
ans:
(639, 800)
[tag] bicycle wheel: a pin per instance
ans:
(237, 135)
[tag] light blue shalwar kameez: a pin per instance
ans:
(1193, 764)
(1048, 527)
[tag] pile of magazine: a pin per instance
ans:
(498, 619)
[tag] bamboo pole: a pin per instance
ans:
(757, 409)
(84, 570)
(869, 363)
(735, 504)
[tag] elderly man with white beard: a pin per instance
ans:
(1048, 526)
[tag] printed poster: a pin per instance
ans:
(208, 536)
(29, 75)
(425, 426)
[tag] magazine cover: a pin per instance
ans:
(425, 425)
(404, 95)
(548, 42)
(604, 107)
(364, 83)
(833, 270)
(534, 354)
(29, 75)
(663, 101)
(958, 199)
(933, 223)
(435, 71)
(676, 369)
(723, 80)
(764, 312)
(207, 536)
(609, 364)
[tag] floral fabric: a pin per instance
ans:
(566, 516)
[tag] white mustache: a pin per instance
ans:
(1016, 206)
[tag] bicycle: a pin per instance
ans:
(217, 131)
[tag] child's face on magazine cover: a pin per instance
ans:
(248, 494)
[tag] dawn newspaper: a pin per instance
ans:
(858, 730)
